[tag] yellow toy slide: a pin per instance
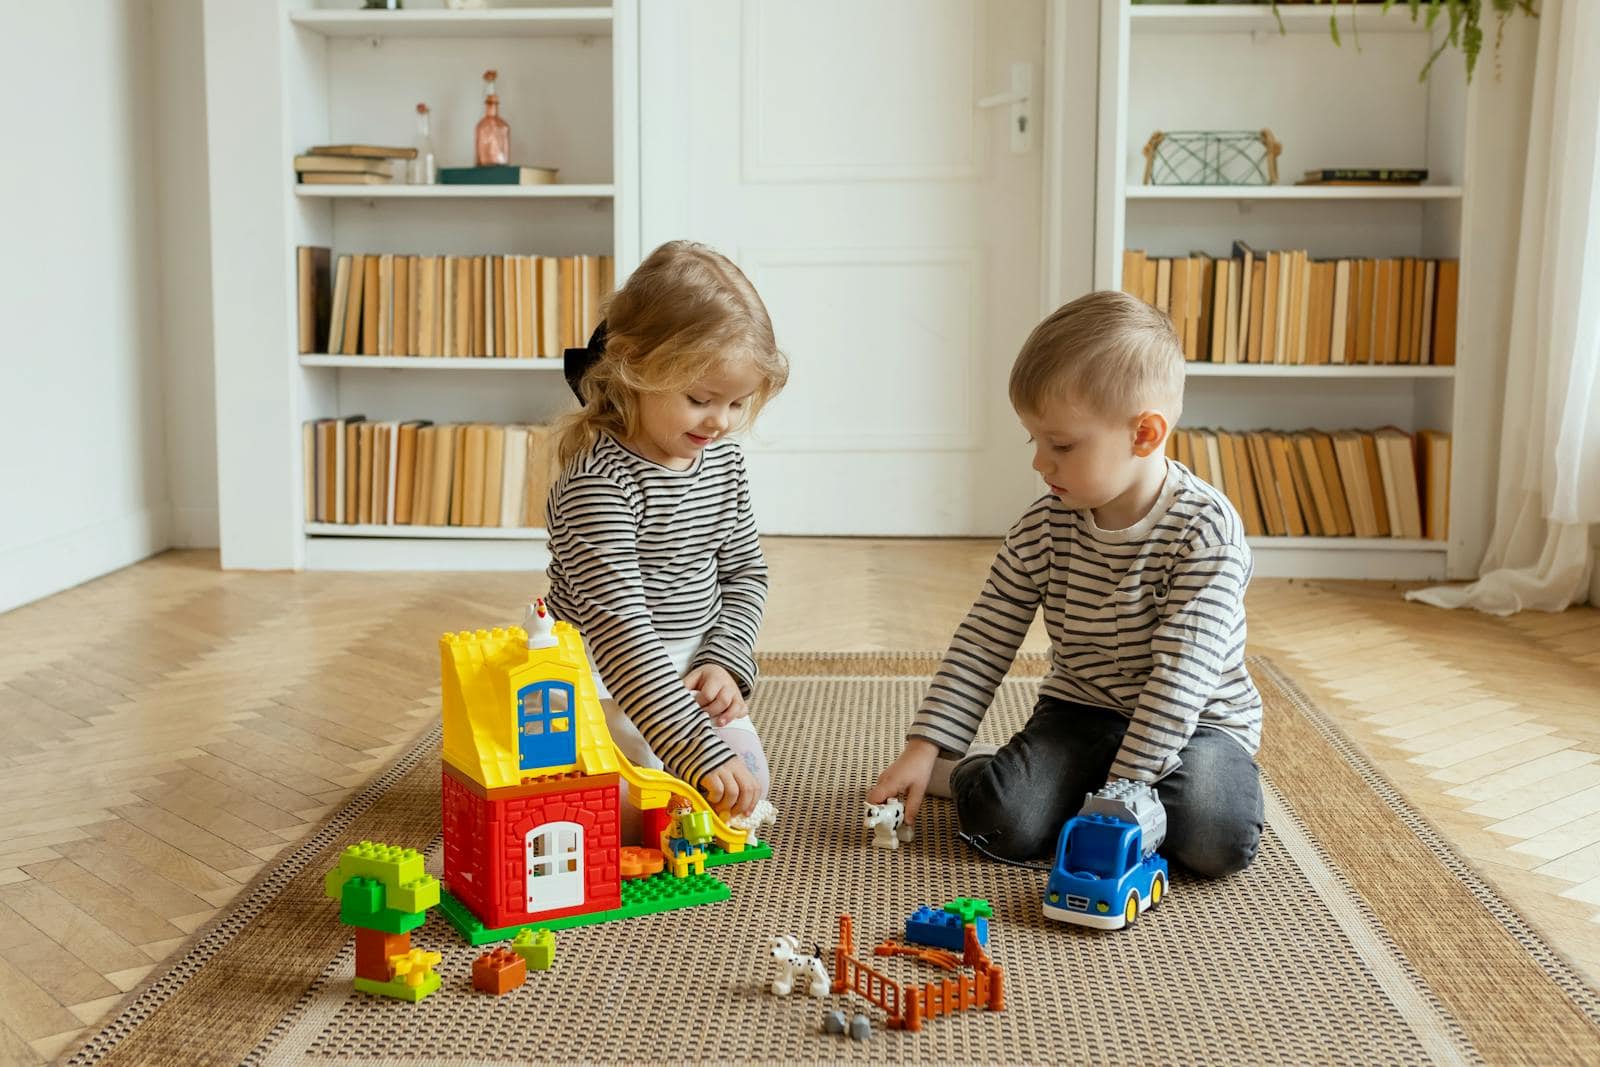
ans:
(650, 788)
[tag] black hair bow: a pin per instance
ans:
(575, 363)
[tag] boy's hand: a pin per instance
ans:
(716, 691)
(907, 776)
(730, 788)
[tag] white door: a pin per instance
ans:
(554, 855)
(836, 150)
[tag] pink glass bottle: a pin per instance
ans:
(493, 135)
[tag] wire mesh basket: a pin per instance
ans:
(1211, 157)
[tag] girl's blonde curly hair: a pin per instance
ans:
(685, 314)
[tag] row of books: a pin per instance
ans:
(414, 473)
(1285, 307)
(387, 304)
(1383, 483)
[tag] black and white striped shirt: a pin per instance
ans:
(640, 554)
(1148, 621)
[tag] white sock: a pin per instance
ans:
(939, 780)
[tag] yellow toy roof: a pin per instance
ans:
(512, 712)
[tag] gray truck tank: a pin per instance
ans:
(1134, 802)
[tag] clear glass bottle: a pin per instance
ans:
(423, 170)
(493, 140)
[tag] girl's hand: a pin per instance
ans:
(730, 788)
(907, 776)
(716, 691)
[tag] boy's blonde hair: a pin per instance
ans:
(1107, 351)
(685, 313)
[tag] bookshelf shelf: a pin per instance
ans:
(518, 22)
(1349, 544)
(456, 192)
(1293, 192)
(1342, 371)
(446, 533)
(1185, 18)
(430, 363)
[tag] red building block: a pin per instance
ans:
(373, 949)
(498, 972)
(651, 822)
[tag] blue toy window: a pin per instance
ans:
(546, 736)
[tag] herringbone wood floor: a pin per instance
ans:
(172, 727)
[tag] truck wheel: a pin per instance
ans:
(1130, 910)
(1158, 889)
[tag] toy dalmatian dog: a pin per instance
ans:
(793, 966)
(887, 821)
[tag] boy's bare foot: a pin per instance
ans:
(939, 781)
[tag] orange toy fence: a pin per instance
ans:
(907, 1005)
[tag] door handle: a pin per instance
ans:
(1020, 100)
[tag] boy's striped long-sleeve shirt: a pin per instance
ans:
(1148, 621)
(641, 554)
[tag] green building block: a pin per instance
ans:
(398, 989)
(536, 947)
(969, 908)
(407, 886)
(717, 856)
(361, 904)
(640, 896)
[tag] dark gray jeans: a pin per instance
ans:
(1016, 801)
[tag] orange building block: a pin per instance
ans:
(639, 862)
(373, 949)
(498, 972)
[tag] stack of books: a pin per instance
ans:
(387, 304)
(1383, 483)
(414, 473)
(1287, 308)
(352, 164)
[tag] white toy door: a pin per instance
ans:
(554, 854)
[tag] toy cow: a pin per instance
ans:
(888, 823)
(792, 966)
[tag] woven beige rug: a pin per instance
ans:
(1357, 937)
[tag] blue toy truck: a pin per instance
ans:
(1106, 871)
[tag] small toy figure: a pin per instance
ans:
(793, 965)
(539, 625)
(887, 823)
(764, 815)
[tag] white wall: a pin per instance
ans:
(183, 208)
(93, 340)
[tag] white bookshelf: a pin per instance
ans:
(284, 75)
(1220, 67)
(596, 191)
(413, 363)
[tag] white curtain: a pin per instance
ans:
(1539, 555)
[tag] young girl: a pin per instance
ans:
(654, 555)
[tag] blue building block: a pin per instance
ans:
(941, 929)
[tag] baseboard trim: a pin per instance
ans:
(34, 571)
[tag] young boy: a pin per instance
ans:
(1141, 569)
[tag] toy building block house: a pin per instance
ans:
(532, 791)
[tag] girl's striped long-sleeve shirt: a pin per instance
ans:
(1148, 621)
(641, 554)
